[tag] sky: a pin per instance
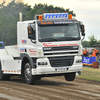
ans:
(87, 11)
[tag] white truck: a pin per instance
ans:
(49, 45)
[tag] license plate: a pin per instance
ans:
(62, 69)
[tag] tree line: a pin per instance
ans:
(9, 15)
(91, 42)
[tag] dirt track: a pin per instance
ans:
(51, 88)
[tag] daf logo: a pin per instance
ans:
(47, 48)
(75, 47)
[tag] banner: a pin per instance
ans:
(88, 60)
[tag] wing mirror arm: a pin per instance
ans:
(82, 28)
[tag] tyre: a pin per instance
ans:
(5, 77)
(29, 78)
(70, 76)
(1, 74)
(38, 77)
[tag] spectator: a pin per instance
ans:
(85, 53)
(97, 54)
(93, 53)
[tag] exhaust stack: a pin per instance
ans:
(20, 16)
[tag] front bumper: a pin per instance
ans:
(48, 69)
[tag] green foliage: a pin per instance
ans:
(85, 44)
(9, 15)
(92, 42)
(90, 74)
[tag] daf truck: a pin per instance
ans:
(49, 45)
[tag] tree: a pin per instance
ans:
(39, 8)
(85, 43)
(9, 15)
(92, 41)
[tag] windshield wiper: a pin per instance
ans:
(58, 39)
(69, 38)
(53, 39)
(48, 39)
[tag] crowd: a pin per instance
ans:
(94, 53)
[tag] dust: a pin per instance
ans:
(20, 4)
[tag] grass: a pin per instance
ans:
(90, 74)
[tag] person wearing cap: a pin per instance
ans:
(85, 53)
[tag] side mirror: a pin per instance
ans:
(31, 33)
(83, 34)
(82, 30)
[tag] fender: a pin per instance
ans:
(32, 61)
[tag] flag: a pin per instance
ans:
(88, 60)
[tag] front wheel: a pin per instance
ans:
(30, 79)
(70, 76)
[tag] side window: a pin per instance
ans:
(32, 31)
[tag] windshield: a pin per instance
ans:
(68, 32)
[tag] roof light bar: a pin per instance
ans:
(55, 15)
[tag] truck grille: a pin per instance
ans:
(61, 61)
(62, 48)
(61, 53)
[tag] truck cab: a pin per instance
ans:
(53, 42)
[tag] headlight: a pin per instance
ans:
(78, 61)
(42, 63)
(47, 48)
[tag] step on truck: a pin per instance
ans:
(49, 45)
